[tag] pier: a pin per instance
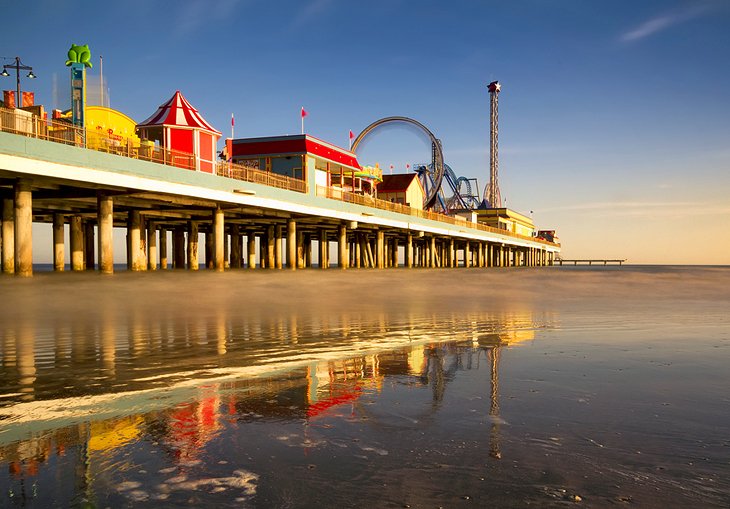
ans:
(560, 261)
(250, 218)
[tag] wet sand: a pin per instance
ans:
(602, 387)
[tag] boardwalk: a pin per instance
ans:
(249, 218)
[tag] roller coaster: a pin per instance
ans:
(433, 175)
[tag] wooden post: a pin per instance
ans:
(105, 220)
(77, 243)
(163, 249)
(58, 239)
(292, 261)
(219, 244)
(395, 252)
(193, 236)
(409, 250)
(151, 245)
(380, 249)
(323, 261)
(270, 241)
(133, 239)
(251, 249)
(279, 247)
(209, 255)
(342, 260)
(300, 250)
(235, 247)
(23, 229)
(358, 252)
(8, 260)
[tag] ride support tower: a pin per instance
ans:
(491, 192)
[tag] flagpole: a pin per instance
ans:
(302, 119)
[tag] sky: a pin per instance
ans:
(614, 116)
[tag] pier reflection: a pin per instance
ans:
(79, 390)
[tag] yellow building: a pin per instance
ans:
(109, 129)
(404, 188)
(506, 219)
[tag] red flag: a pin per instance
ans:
(408, 166)
(233, 122)
(304, 112)
(352, 136)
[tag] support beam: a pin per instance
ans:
(8, 233)
(432, 249)
(193, 236)
(279, 247)
(251, 249)
(77, 243)
(151, 245)
(380, 254)
(323, 245)
(395, 252)
(409, 250)
(270, 248)
(163, 249)
(342, 259)
(23, 229)
(134, 239)
(219, 245)
(235, 247)
(292, 245)
(105, 220)
(58, 243)
(209, 261)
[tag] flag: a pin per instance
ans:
(352, 136)
(233, 122)
(304, 112)
(408, 166)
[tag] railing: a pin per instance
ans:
(346, 196)
(26, 124)
(256, 176)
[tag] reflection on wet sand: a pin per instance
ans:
(82, 389)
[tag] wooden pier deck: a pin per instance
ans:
(249, 218)
(559, 261)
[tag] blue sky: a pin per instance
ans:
(614, 115)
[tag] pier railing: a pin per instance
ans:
(336, 193)
(256, 176)
(26, 123)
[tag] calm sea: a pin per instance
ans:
(604, 387)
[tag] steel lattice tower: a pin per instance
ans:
(491, 192)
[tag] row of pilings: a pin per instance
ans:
(237, 242)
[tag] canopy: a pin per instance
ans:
(178, 112)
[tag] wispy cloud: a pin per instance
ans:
(645, 209)
(664, 22)
(311, 10)
(193, 14)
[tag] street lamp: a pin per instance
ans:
(18, 66)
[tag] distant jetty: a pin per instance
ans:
(593, 261)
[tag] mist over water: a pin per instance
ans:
(391, 388)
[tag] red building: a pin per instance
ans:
(301, 156)
(178, 127)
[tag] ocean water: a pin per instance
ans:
(601, 387)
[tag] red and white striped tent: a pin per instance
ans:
(177, 126)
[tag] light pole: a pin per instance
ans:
(18, 65)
